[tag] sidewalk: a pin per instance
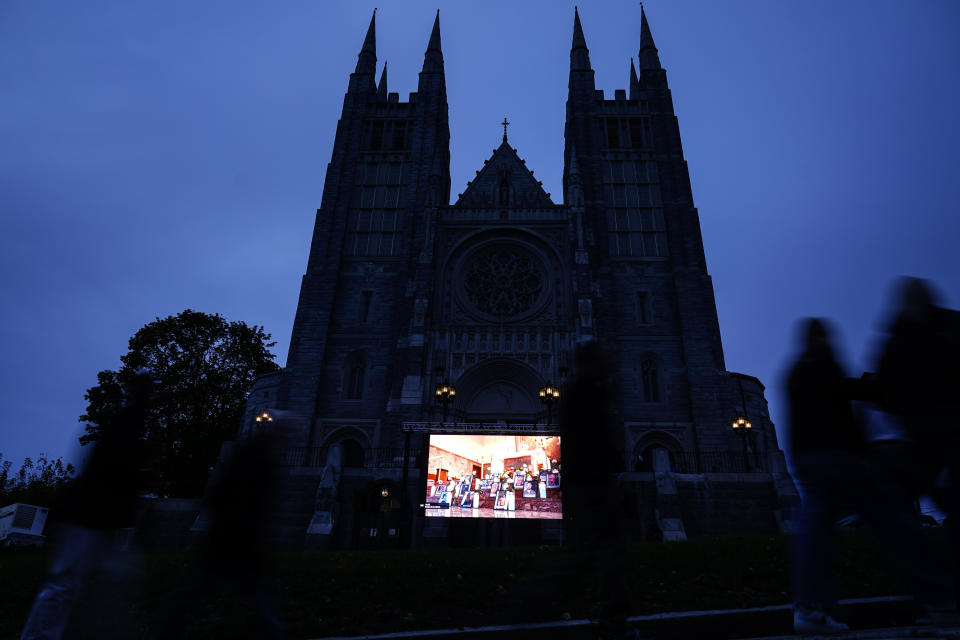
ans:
(895, 633)
(883, 618)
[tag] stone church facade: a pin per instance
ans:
(491, 294)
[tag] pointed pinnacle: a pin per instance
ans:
(370, 42)
(634, 82)
(579, 42)
(647, 57)
(435, 34)
(367, 60)
(382, 86)
(433, 58)
(579, 54)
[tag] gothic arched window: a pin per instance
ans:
(650, 375)
(355, 373)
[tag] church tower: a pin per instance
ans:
(651, 293)
(407, 297)
(352, 360)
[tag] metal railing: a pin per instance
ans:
(716, 462)
(375, 458)
(392, 458)
(483, 428)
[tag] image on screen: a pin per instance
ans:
(502, 476)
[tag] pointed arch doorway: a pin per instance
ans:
(499, 390)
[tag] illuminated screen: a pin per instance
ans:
(480, 476)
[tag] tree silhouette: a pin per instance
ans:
(41, 481)
(205, 367)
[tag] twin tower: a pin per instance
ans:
(491, 294)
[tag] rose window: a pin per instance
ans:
(503, 283)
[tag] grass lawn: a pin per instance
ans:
(349, 593)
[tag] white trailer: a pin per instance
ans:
(21, 525)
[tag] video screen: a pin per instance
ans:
(480, 476)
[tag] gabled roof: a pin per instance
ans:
(504, 173)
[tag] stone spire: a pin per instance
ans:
(367, 60)
(579, 54)
(648, 57)
(433, 58)
(382, 86)
(634, 82)
(431, 104)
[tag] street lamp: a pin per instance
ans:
(263, 419)
(742, 426)
(549, 396)
(445, 393)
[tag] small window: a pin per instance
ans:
(613, 133)
(376, 136)
(643, 307)
(651, 382)
(400, 135)
(355, 376)
(636, 133)
(365, 305)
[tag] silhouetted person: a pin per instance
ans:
(240, 498)
(919, 384)
(103, 499)
(591, 437)
(835, 480)
(827, 446)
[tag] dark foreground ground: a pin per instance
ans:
(371, 592)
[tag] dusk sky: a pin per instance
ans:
(156, 157)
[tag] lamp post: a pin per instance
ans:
(742, 426)
(445, 393)
(263, 419)
(549, 396)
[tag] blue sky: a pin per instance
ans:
(162, 156)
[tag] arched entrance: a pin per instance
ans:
(645, 452)
(499, 390)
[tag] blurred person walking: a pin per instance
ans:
(591, 437)
(240, 498)
(826, 445)
(918, 379)
(104, 499)
(835, 480)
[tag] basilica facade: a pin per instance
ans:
(406, 294)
